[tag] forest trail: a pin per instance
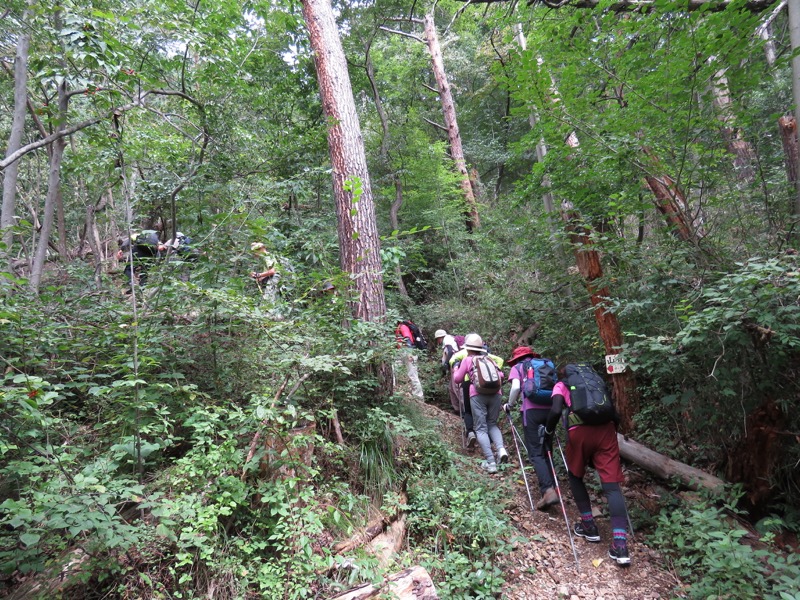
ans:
(543, 565)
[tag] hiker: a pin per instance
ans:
(590, 445)
(181, 247)
(140, 250)
(484, 402)
(273, 280)
(465, 406)
(450, 346)
(533, 415)
(409, 337)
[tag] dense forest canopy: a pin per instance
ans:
(587, 178)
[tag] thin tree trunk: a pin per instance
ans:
(359, 245)
(8, 210)
(794, 35)
(451, 123)
(737, 145)
(788, 128)
(53, 190)
(624, 391)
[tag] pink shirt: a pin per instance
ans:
(463, 370)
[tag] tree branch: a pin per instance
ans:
(399, 32)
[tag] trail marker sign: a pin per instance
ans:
(615, 364)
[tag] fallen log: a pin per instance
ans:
(367, 534)
(388, 543)
(667, 468)
(413, 583)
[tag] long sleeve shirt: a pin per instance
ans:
(462, 372)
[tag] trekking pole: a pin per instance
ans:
(561, 501)
(521, 464)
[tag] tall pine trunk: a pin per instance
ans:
(359, 245)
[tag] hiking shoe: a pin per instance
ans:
(502, 456)
(619, 552)
(547, 500)
(491, 467)
(587, 530)
(471, 439)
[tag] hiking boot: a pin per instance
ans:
(547, 500)
(471, 439)
(619, 552)
(491, 467)
(502, 456)
(587, 530)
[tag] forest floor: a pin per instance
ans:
(543, 565)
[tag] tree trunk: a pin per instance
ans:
(754, 460)
(451, 123)
(7, 212)
(53, 191)
(671, 202)
(788, 129)
(359, 245)
(794, 35)
(413, 583)
(626, 398)
(739, 147)
(667, 468)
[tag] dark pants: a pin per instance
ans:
(533, 444)
(467, 414)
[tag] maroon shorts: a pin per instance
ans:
(594, 446)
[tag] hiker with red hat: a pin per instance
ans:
(533, 378)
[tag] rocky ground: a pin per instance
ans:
(543, 565)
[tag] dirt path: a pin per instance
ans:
(544, 565)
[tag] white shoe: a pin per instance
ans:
(471, 439)
(502, 456)
(489, 467)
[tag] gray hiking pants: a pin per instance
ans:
(485, 410)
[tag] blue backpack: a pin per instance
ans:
(538, 379)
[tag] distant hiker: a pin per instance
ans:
(449, 347)
(181, 251)
(274, 280)
(181, 247)
(535, 408)
(140, 250)
(465, 406)
(485, 394)
(408, 337)
(581, 390)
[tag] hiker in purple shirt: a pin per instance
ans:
(485, 407)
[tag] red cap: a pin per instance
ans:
(521, 352)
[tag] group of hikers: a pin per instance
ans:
(573, 394)
(141, 249)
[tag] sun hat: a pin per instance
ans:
(440, 333)
(521, 352)
(474, 342)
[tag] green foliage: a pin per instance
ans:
(715, 557)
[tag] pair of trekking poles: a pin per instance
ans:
(516, 435)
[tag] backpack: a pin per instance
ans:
(484, 375)
(145, 243)
(417, 340)
(590, 401)
(459, 340)
(538, 379)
